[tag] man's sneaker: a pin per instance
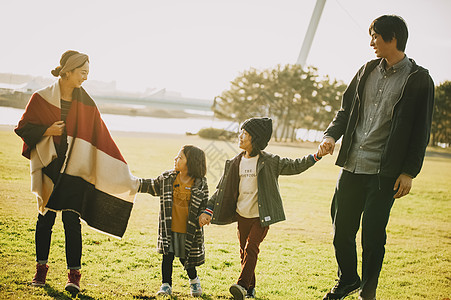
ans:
(41, 274)
(165, 290)
(195, 288)
(238, 292)
(250, 293)
(73, 281)
(341, 290)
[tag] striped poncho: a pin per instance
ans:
(94, 180)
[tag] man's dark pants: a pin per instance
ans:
(369, 197)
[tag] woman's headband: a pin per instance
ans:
(73, 62)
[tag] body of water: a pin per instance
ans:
(11, 116)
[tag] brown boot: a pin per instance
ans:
(41, 274)
(73, 282)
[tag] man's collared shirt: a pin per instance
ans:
(382, 90)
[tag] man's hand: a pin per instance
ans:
(322, 151)
(204, 219)
(403, 185)
(327, 146)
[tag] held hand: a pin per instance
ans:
(403, 184)
(322, 151)
(204, 219)
(56, 129)
(327, 145)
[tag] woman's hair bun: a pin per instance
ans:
(56, 72)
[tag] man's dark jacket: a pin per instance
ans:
(410, 121)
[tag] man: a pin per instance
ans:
(385, 122)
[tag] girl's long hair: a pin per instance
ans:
(195, 161)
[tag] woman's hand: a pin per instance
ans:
(204, 219)
(56, 129)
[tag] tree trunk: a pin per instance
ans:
(293, 134)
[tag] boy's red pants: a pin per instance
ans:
(250, 234)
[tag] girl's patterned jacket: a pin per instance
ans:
(163, 186)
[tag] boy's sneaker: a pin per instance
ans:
(165, 290)
(238, 292)
(41, 274)
(195, 288)
(341, 290)
(73, 281)
(250, 293)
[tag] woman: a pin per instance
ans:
(72, 157)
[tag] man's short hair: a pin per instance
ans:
(389, 27)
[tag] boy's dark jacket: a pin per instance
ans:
(269, 167)
(410, 122)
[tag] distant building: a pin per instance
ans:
(154, 102)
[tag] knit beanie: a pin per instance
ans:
(260, 129)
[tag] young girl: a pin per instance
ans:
(183, 195)
(248, 192)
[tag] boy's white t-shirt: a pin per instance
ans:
(247, 205)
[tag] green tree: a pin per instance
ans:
(242, 99)
(330, 93)
(441, 121)
(293, 97)
(290, 92)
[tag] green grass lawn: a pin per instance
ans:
(296, 259)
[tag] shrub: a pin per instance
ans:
(217, 134)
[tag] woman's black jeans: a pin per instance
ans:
(72, 232)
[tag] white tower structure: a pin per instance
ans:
(310, 34)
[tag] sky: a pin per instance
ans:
(197, 47)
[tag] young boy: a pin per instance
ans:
(248, 192)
